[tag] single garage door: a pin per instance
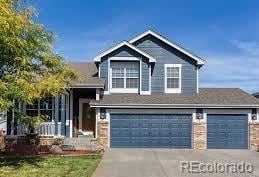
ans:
(227, 131)
(131, 130)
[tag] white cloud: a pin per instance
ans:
(251, 47)
(240, 71)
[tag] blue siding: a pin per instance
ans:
(145, 75)
(125, 52)
(144, 130)
(227, 131)
(165, 54)
(104, 72)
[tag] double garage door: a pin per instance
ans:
(173, 131)
(224, 131)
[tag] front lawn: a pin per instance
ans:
(82, 166)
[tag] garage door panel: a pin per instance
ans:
(227, 131)
(151, 130)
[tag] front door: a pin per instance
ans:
(86, 117)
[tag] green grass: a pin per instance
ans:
(82, 166)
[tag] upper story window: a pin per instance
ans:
(125, 77)
(173, 78)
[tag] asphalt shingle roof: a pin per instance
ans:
(88, 74)
(206, 96)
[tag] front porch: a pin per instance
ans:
(66, 115)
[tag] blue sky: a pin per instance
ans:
(224, 33)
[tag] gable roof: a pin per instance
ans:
(206, 98)
(88, 74)
(176, 46)
(124, 43)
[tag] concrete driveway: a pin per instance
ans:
(166, 163)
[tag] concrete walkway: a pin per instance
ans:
(166, 162)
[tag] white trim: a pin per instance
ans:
(149, 32)
(97, 94)
(121, 90)
(173, 90)
(140, 77)
(123, 43)
(71, 113)
(150, 66)
(194, 117)
(174, 106)
(151, 111)
(124, 58)
(97, 118)
(197, 79)
(145, 93)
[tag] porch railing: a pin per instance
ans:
(44, 129)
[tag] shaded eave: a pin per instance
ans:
(174, 45)
(124, 43)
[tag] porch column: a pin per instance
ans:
(67, 116)
(63, 118)
(56, 115)
(71, 113)
(97, 97)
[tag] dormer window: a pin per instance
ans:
(173, 78)
(124, 77)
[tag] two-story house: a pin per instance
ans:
(145, 93)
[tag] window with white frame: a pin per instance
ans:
(46, 107)
(125, 76)
(173, 78)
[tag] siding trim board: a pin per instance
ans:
(173, 106)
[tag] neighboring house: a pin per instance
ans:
(256, 94)
(145, 93)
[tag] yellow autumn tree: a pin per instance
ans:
(29, 68)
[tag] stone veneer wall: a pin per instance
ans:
(102, 135)
(199, 135)
(254, 135)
